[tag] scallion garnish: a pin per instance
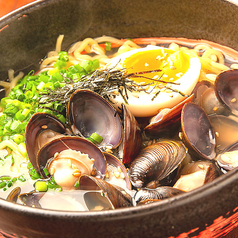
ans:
(41, 186)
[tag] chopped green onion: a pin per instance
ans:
(53, 185)
(9, 184)
(41, 186)
(16, 125)
(41, 86)
(11, 110)
(108, 46)
(18, 138)
(61, 118)
(5, 178)
(3, 184)
(29, 94)
(95, 138)
(76, 185)
(46, 171)
(22, 178)
(32, 172)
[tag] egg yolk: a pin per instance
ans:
(173, 64)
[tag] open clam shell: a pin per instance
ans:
(226, 130)
(226, 86)
(205, 96)
(228, 159)
(120, 171)
(90, 113)
(132, 139)
(118, 198)
(156, 194)
(41, 128)
(198, 133)
(49, 150)
(166, 121)
(196, 174)
(31, 199)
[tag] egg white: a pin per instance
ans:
(142, 105)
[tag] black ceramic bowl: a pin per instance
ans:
(27, 34)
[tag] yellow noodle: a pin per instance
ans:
(202, 75)
(174, 46)
(4, 84)
(97, 49)
(48, 61)
(52, 53)
(109, 39)
(59, 43)
(201, 47)
(13, 81)
(74, 47)
(10, 144)
(234, 66)
(131, 44)
(211, 77)
(219, 66)
(210, 66)
(85, 42)
(210, 52)
(18, 159)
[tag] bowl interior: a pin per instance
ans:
(27, 34)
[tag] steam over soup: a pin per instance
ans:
(116, 123)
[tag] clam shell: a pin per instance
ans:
(156, 161)
(89, 113)
(226, 130)
(132, 139)
(157, 194)
(226, 86)
(167, 121)
(113, 160)
(228, 161)
(117, 197)
(39, 123)
(48, 151)
(198, 133)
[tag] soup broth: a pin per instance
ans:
(139, 108)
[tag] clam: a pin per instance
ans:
(155, 162)
(160, 193)
(117, 197)
(226, 85)
(226, 130)
(228, 158)
(196, 174)
(90, 113)
(167, 121)
(116, 172)
(13, 195)
(205, 96)
(41, 129)
(198, 133)
(31, 199)
(132, 139)
(69, 157)
(200, 89)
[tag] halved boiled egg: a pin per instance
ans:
(176, 74)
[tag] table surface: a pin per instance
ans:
(7, 6)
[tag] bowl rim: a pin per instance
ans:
(129, 212)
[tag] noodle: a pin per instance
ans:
(59, 43)
(13, 81)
